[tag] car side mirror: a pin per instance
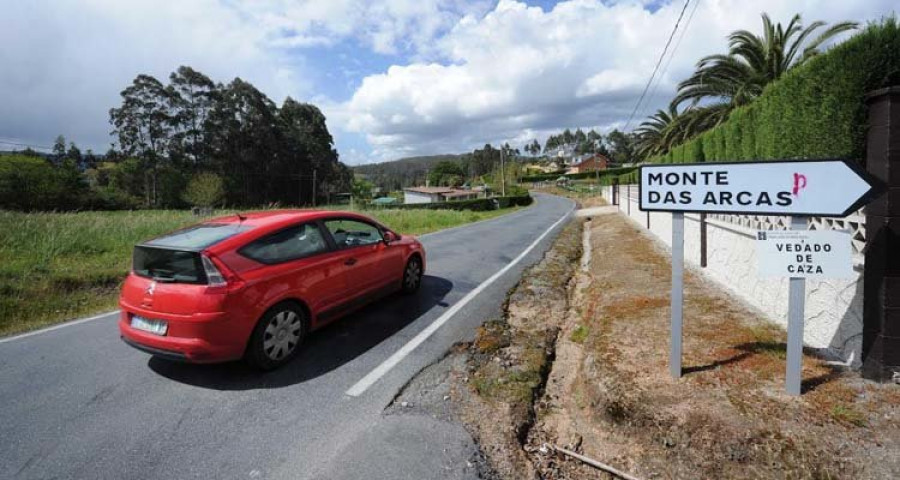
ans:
(391, 237)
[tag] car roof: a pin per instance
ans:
(270, 217)
(264, 222)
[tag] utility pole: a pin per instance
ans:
(314, 187)
(502, 174)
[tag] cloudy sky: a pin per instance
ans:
(394, 77)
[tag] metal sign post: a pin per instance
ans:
(677, 297)
(799, 188)
(796, 309)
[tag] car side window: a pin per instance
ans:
(353, 233)
(288, 244)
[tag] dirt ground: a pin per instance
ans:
(609, 395)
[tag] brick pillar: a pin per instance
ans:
(881, 302)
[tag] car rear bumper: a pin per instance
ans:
(197, 338)
(156, 352)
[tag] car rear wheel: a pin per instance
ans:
(412, 276)
(278, 335)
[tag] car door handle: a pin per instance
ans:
(350, 261)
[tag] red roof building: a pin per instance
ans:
(591, 164)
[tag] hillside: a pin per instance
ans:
(401, 173)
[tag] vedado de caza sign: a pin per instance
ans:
(804, 254)
(813, 187)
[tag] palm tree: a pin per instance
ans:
(654, 134)
(667, 128)
(752, 62)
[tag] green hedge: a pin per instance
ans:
(477, 205)
(628, 178)
(815, 111)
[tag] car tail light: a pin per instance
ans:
(214, 278)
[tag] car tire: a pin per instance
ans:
(277, 337)
(412, 276)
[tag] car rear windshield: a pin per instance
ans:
(198, 237)
(168, 265)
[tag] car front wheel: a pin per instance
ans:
(277, 337)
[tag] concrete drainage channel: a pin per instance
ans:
(491, 385)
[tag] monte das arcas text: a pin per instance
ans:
(718, 179)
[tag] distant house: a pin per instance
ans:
(436, 194)
(381, 201)
(561, 151)
(460, 195)
(548, 167)
(590, 164)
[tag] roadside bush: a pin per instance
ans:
(109, 198)
(204, 190)
(816, 110)
(516, 191)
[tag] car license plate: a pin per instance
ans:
(156, 327)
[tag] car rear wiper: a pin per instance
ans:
(164, 279)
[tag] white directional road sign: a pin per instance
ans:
(832, 188)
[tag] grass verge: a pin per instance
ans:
(58, 266)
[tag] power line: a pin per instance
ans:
(662, 74)
(18, 144)
(656, 68)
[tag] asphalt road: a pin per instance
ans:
(76, 402)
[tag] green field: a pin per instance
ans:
(59, 266)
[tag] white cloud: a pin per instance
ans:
(64, 64)
(474, 72)
(386, 26)
(522, 69)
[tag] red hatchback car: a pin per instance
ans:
(254, 285)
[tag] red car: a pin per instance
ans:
(254, 285)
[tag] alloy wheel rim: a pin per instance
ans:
(413, 273)
(282, 335)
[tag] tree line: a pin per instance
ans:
(616, 145)
(479, 165)
(482, 165)
(186, 142)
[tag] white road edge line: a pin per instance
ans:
(56, 327)
(363, 384)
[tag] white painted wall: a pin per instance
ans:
(833, 307)
(417, 197)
